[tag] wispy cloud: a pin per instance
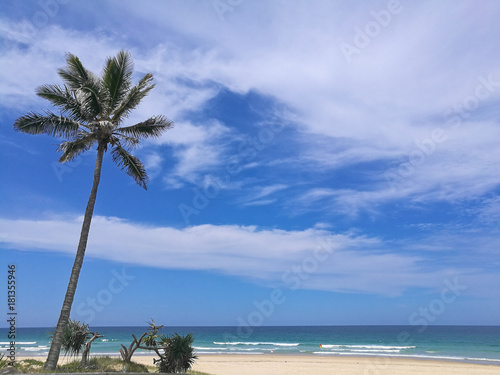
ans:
(332, 261)
(256, 195)
(197, 149)
(346, 114)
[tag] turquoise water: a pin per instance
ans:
(459, 343)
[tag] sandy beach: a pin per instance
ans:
(318, 365)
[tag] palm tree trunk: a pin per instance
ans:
(55, 347)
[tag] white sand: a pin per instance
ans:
(323, 365)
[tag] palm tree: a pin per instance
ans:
(92, 110)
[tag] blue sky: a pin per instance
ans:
(331, 163)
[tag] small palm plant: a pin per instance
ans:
(178, 355)
(92, 111)
(75, 335)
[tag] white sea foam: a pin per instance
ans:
(382, 347)
(32, 349)
(232, 353)
(450, 358)
(256, 343)
(246, 350)
(374, 350)
(203, 348)
(19, 343)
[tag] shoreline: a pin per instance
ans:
(479, 361)
(293, 364)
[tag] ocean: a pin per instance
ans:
(478, 344)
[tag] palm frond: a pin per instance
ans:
(63, 98)
(75, 73)
(84, 83)
(51, 124)
(126, 140)
(132, 165)
(151, 128)
(92, 108)
(116, 78)
(56, 94)
(71, 149)
(92, 98)
(134, 97)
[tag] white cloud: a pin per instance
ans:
(264, 191)
(152, 163)
(198, 150)
(39, 55)
(260, 202)
(195, 145)
(261, 195)
(460, 167)
(310, 259)
(409, 81)
(488, 212)
(396, 91)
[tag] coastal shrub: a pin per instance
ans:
(78, 338)
(76, 366)
(127, 353)
(86, 347)
(24, 366)
(3, 362)
(32, 362)
(134, 367)
(178, 354)
(75, 335)
(103, 364)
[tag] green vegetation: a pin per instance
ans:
(26, 366)
(95, 364)
(75, 336)
(177, 356)
(176, 353)
(103, 364)
(92, 109)
(3, 362)
(78, 338)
